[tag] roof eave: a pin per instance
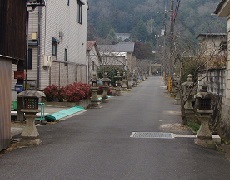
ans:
(223, 8)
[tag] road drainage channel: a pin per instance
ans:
(159, 135)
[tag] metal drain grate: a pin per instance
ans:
(157, 135)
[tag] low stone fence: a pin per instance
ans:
(83, 103)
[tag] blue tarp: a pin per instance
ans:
(61, 114)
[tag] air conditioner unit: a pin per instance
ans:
(47, 61)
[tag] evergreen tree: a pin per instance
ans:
(140, 32)
(112, 36)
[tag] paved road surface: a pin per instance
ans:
(96, 145)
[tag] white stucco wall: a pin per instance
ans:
(210, 45)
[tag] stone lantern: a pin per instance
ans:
(204, 112)
(174, 84)
(135, 79)
(30, 99)
(118, 83)
(187, 92)
(143, 77)
(95, 104)
(106, 82)
(130, 81)
(146, 75)
(124, 82)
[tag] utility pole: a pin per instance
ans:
(171, 40)
(163, 33)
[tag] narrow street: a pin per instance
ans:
(96, 145)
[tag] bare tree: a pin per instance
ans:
(188, 61)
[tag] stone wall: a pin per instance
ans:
(83, 103)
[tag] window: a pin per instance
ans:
(93, 66)
(79, 11)
(54, 46)
(29, 60)
(54, 49)
(65, 57)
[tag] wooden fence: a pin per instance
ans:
(66, 73)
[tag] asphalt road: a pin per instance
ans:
(96, 145)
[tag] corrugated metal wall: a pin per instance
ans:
(5, 103)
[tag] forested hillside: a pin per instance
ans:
(144, 19)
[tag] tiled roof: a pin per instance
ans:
(120, 47)
(125, 46)
(212, 34)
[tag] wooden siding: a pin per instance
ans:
(13, 28)
(5, 103)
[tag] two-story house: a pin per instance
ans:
(119, 54)
(57, 41)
